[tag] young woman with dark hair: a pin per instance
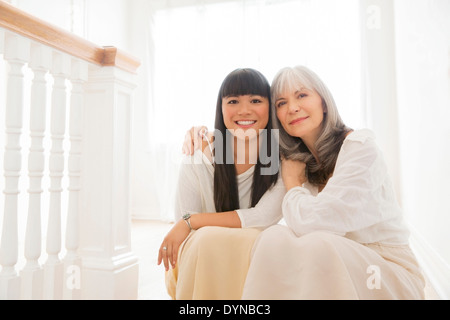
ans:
(241, 83)
(225, 196)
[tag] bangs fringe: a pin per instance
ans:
(289, 80)
(245, 82)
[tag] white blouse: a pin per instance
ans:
(358, 201)
(195, 193)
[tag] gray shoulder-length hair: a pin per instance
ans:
(333, 130)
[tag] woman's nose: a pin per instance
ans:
(244, 109)
(294, 107)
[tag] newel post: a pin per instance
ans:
(109, 267)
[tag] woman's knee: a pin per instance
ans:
(321, 249)
(206, 233)
(319, 241)
(274, 238)
(281, 236)
(317, 247)
(204, 236)
(320, 237)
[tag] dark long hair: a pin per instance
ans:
(226, 194)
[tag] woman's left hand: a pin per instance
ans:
(293, 173)
(168, 252)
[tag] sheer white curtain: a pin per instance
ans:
(193, 45)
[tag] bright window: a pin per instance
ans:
(196, 46)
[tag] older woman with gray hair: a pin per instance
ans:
(345, 236)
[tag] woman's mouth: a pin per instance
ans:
(299, 120)
(245, 123)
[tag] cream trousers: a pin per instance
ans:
(212, 264)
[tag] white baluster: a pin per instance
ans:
(17, 51)
(32, 274)
(54, 269)
(72, 261)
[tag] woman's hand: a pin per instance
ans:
(193, 139)
(293, 173)
(168, 252)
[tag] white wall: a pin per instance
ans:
(144, 199)
(423, 71)
(104, 22)
(108, 22)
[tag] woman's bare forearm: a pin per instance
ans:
(228, 219)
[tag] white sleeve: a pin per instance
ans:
(188, 195)
(350, 200)
(267, 211)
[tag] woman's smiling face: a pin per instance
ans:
(245, 112)
(301, 113)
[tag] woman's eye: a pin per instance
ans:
(256, 101)
(232, 101)
(302, 95)
(280, 104)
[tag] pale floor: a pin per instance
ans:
(146, 239)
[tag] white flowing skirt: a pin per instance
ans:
(324, 266)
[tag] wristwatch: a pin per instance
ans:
(187, 218)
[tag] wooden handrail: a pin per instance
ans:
(41, 31)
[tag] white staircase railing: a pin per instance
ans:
(78, 130)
